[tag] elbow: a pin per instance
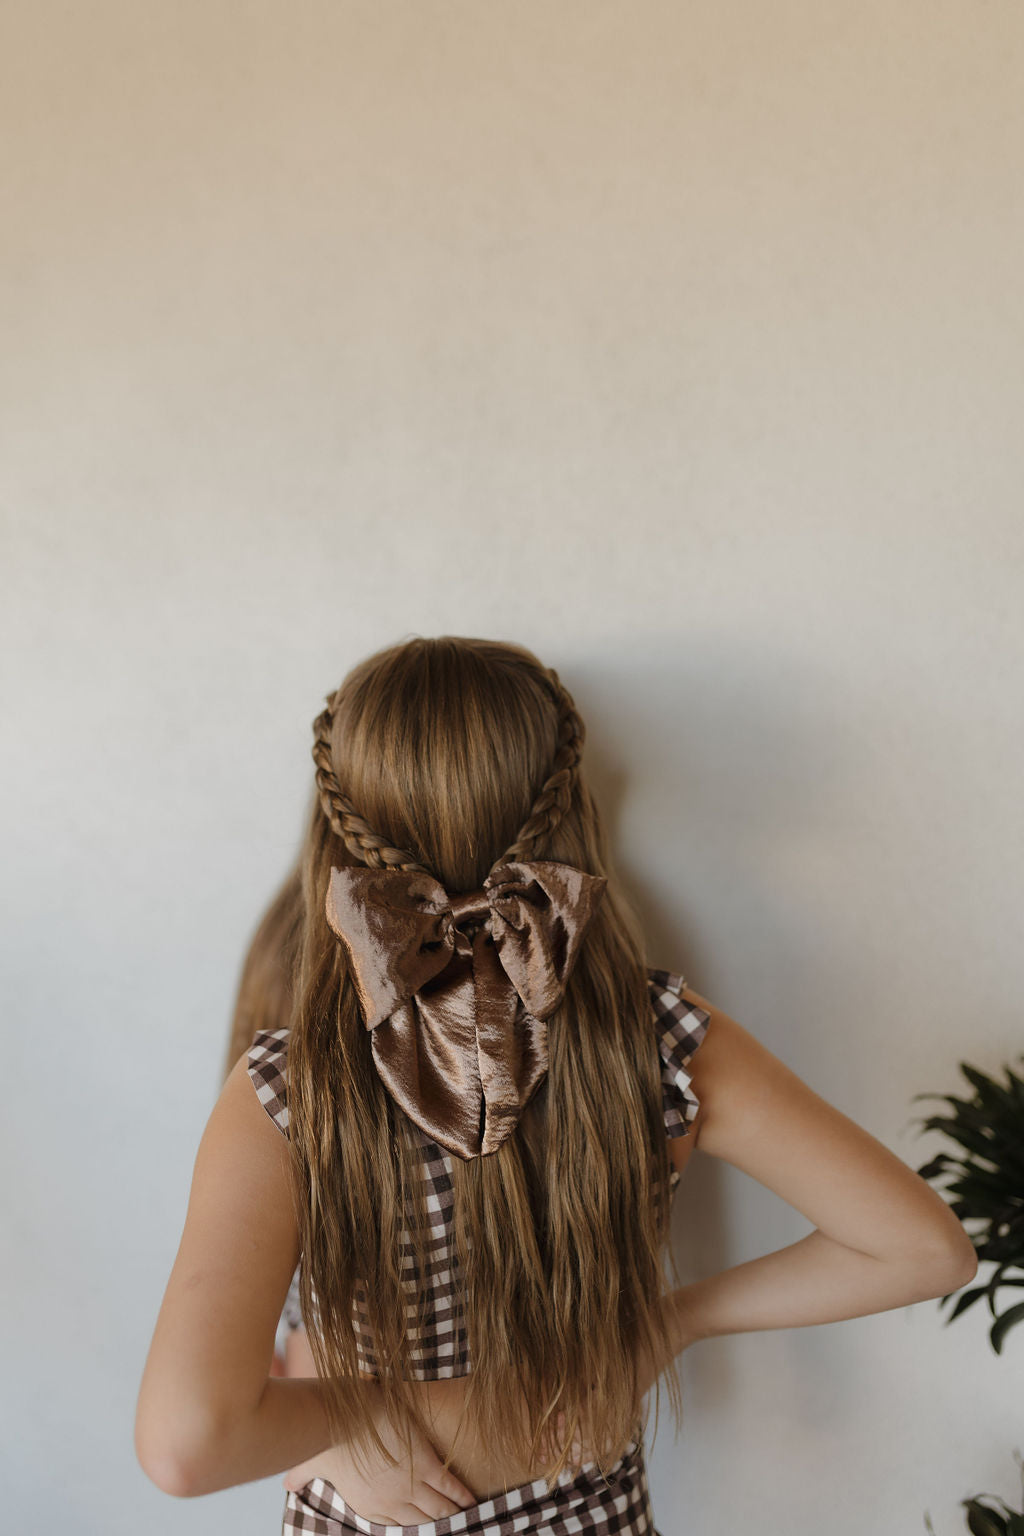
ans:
(167, 1470)
(169, 1474)
(177, 1463)
(945, 1255)
(968, 1265)
(955, 1266)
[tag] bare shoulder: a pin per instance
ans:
(759, 1115)
(732, 1075)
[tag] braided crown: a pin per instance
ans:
(548, 809)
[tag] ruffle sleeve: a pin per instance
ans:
(680, 1026)
(267, 1063)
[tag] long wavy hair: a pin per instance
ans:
(452, 755)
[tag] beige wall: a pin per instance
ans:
(682, 343)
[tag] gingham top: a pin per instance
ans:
(441, 1348)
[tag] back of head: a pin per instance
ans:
(454, 753)
(453, 756)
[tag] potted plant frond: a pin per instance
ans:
(983, 1520)
(986, 1180)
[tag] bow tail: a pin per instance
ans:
(463, 1058)
(511, 1047)
(426, 1055)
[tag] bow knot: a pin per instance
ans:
(457, 989)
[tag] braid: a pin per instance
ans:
(556, 793)
(547, 810)
(358, 836)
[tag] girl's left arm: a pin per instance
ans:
(209, 1416)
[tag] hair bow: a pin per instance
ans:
(456, 989)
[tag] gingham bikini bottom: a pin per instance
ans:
(587, 1500)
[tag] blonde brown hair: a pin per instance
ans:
(450, 754)
(267, 984)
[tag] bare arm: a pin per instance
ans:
(209, 1416)
(884, 1238)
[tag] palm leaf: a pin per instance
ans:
(983, 1181)
(982, 1521)
(1002, 1325)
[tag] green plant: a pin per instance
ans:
(984, 1521)
(988, 1187)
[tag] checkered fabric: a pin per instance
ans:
(442, 1348)
(581, 1503)
(618, 1504)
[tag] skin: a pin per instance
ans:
(210, 1415)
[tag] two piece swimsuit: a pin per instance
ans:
(616, 1504)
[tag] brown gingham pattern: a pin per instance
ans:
(584, 1502)
(618, 1504)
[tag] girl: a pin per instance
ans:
(465, 1138)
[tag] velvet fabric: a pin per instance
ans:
(457, 989)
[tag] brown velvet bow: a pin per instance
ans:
(457, 989)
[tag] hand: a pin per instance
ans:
(681, 1332)
(378, 1491)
